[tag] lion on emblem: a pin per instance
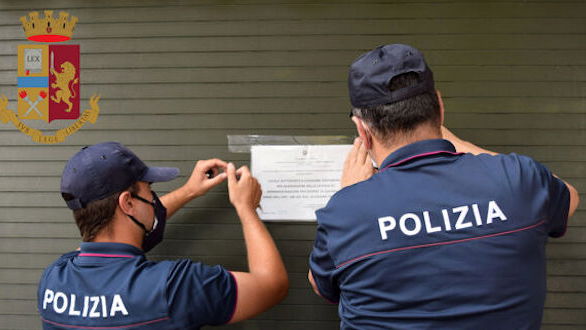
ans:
(62, 80)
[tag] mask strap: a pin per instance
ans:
(138, 223)
(144, 200)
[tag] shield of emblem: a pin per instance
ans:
(48, 82)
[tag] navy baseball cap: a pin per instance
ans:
(371, 73)
(100, 170)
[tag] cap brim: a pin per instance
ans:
(160, 174)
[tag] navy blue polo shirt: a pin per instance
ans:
(113, 286)
(440, 240)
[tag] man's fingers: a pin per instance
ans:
(231, 173)
(362, 153)
(351, 156)
(217, 179)
(213, 164)
(354, 150)
(259, 193)
(243, 171)
(368, 160)
(218, 162)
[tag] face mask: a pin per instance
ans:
(155, 235)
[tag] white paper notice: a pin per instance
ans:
(297, 180)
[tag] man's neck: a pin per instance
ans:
(121, 230)
(380, 151)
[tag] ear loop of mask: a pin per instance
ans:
(140, 224)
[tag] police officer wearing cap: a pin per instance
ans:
(109, 283)
(444, 234)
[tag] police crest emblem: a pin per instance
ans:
(48, 80)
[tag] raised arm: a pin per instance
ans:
(266, 283)
(465, 146)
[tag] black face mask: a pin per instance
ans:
(155, 235)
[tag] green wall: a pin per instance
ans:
(177, 77)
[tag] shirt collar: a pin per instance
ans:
(419, 149)
(109, 250)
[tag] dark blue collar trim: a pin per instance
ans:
(109, 250)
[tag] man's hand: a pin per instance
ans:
(199, 183)
(245, 191)
(358, 165)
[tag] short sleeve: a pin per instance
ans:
(558, 202)
(199, 294)
(544, 192)
(322, 266)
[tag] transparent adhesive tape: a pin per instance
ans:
(242, 143)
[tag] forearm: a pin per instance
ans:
(176, 199)
(574, 198)
(465, 146)
(264, 260)
(266, 283)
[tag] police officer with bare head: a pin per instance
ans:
(109, 283)
(443, 234)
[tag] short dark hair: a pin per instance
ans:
(97, 215)
(402, 117)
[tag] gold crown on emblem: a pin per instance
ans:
(48, 29)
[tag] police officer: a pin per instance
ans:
(445, 235)
(108, 283)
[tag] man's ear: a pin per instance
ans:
(363, 132)
(125, 202)
(441, 105)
